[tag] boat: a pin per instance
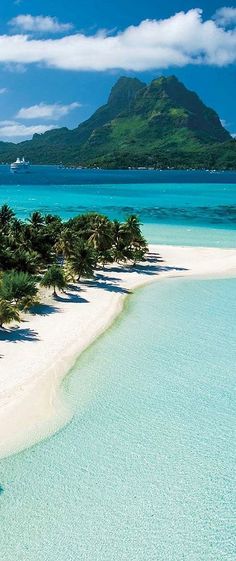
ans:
(20, 166)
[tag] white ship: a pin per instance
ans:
(19, 166)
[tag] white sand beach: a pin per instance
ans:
(36, 355)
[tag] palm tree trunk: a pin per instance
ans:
(80, 273)
(54, 291)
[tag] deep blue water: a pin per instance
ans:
(51, 175)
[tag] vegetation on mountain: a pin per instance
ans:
(159, 125)
(45, 251)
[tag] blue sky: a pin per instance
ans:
(59, 60)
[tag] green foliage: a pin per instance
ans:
(54, 277)
(44, 250)
(18, 288)
(6, 216)
(82, 261)
(8, 313)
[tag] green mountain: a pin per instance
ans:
(162, 124)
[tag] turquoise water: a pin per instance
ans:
(146, 469)
(185, 212)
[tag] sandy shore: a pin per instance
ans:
(35, 356)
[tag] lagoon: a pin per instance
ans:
(145, 470)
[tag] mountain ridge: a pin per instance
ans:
(161, 124)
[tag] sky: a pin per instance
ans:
(59, 60)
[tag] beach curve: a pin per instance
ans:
(36, 357)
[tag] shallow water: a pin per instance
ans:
(145, 471)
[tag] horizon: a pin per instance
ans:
(56, 70)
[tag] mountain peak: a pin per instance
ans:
(160, 124)
(124, 90)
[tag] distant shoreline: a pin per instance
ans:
(36, 357)
(128, 168)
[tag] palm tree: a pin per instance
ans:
(121, 252)
(52, 219)
(64, 244)
(100, 232)
(36, 220)
(6, 215)
(133, 226)
(83, 260)
(54, 277)
(8, 313)
(53, 227)
(135, 241)
(16, 231)
(27, 261)
(121, 241)
(6, 255)
(18, 288)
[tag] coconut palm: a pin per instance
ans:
(122, 252)
(8, 313)
(18, 288)
(16, 231)
(133, 227)
(6, 255)
(121, 241)
(54, 277)
(6, 216)
(27, 261)
(83, 260)
(100, 232)
(52, 219)
(135, 241)
(36, 220)
(65, 243)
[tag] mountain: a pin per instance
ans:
(162, 124)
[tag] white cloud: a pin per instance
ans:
(42, 24)
(3, 91)
(153, 44)
(225, 16)
(13, 129)
(45, 111)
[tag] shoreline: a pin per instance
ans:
(37, 357)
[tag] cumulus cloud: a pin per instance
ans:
(13, 129)
(225, 16)
(46, 111)
(41, 24)
(182, 39)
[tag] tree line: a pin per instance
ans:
(46, 251)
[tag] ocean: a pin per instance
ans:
(145, 471)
